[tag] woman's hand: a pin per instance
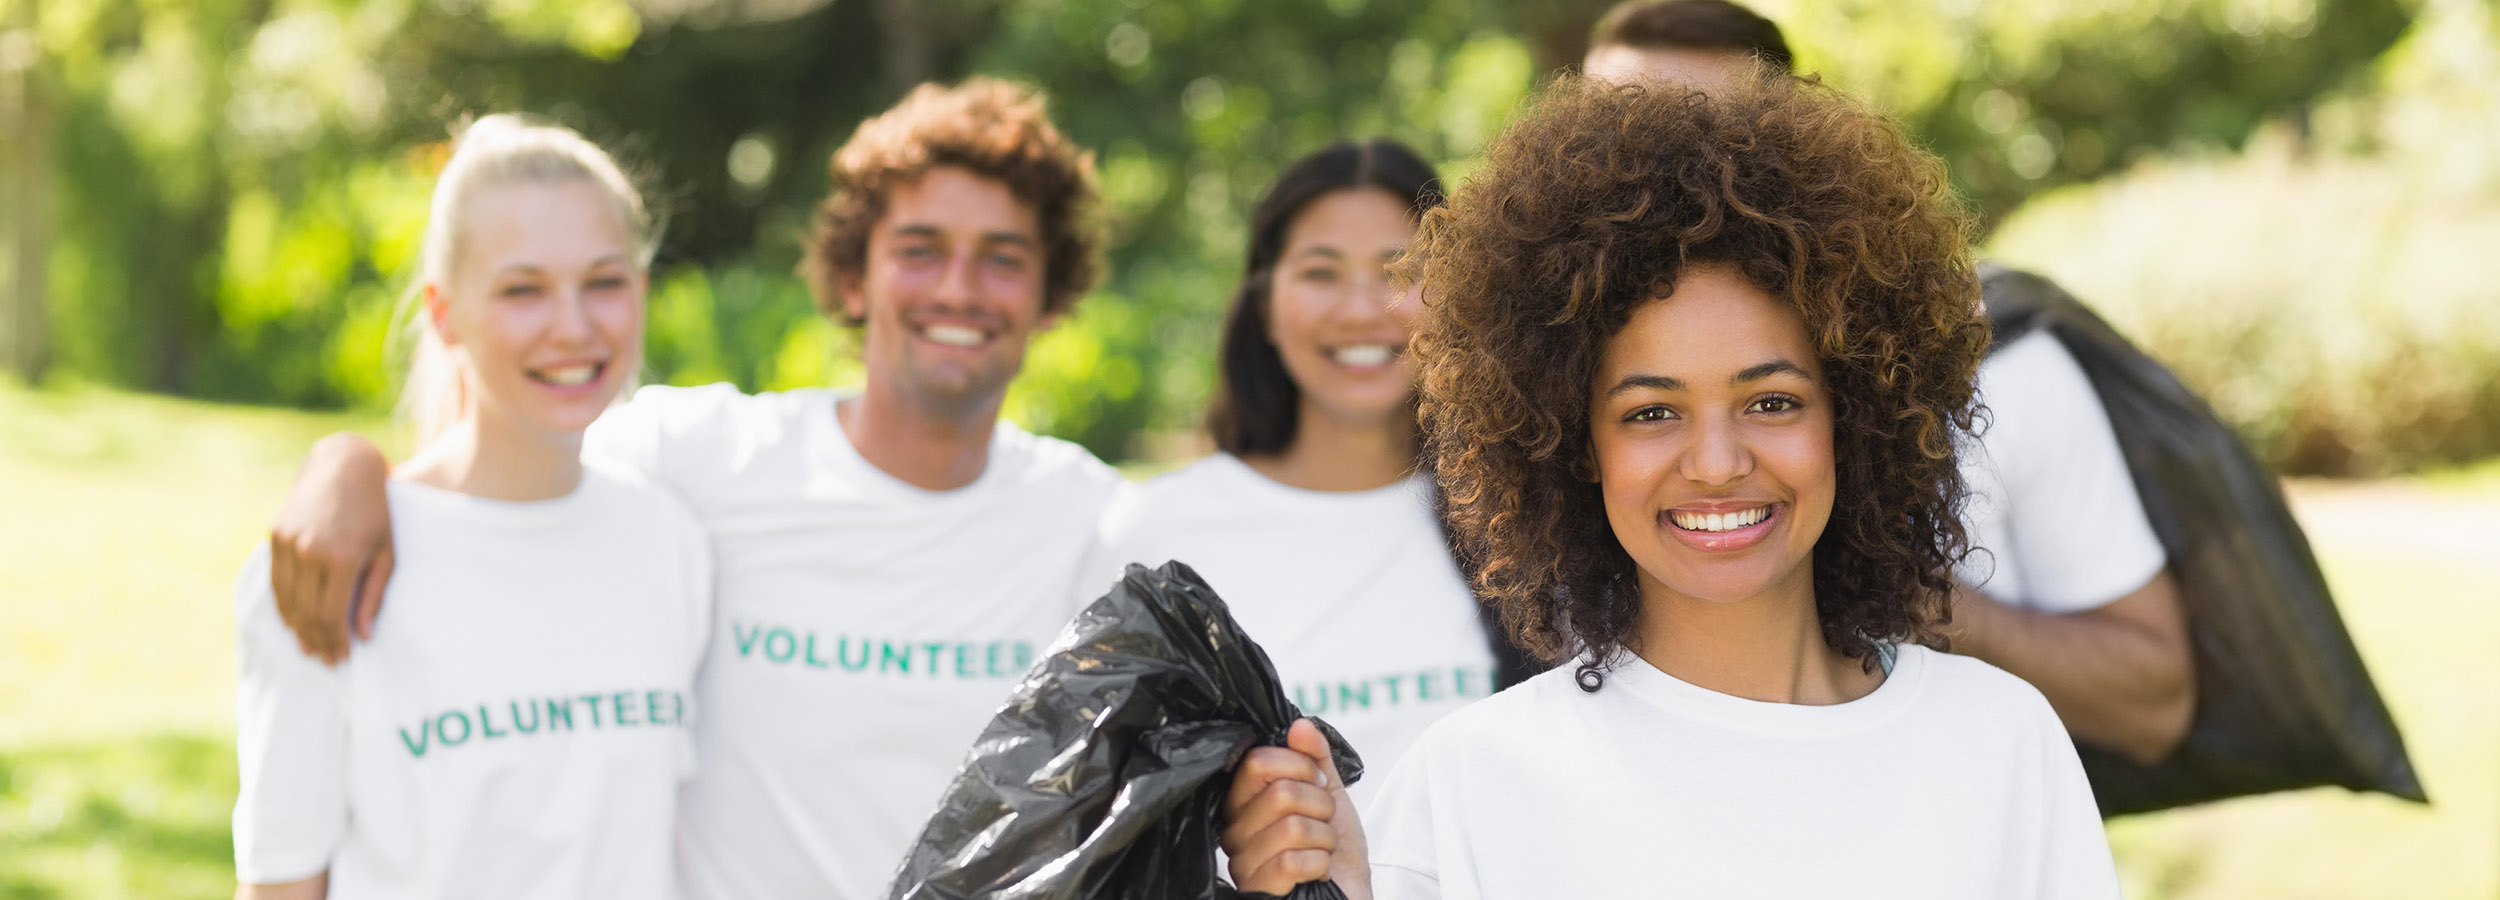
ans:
(1288, 820)
(330, 550)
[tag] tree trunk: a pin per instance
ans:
(906, 50)
(25, 169)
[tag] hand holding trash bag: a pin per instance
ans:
(1288, 818)
(1105, 774)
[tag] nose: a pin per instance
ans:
(1717, 456)
(1367, 297)
(572, 323)
(954, 289)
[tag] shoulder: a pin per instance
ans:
(1175, 492)
(1517, 715)
(723, 401)
(254, 598)
(2034, 368)
(1051, 464)
(1976, 689)
(621, 491)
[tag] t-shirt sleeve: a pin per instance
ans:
(1398, 829)
(2073, 513)
(1106, 555)
(2075, 862)
(291, 742)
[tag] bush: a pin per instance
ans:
(2343, 313)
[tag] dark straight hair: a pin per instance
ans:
(1692, 25)
(1257, 406)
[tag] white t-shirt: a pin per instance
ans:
(519, 726)
(868, 629)
(2052, 504)
(1353, 594)
(1951, 781)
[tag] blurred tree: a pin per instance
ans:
(238, 186)
(25, 226)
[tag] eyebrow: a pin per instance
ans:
(1321, 250)
(1004, 237)
(1750, 374)
(1768, 369)
(534, 269)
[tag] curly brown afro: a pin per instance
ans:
(1588, 207)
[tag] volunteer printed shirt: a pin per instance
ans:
(520, 725)
(867, 629)
(1951, 781)
(1352, 594)
(2053, 510)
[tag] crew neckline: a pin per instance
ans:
(825, 418)
(513, 512)
(1227, 465)
(1638, 678)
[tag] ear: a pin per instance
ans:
(854, 295)
(438, 314)
(1585, 468)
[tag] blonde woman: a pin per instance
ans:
(522, 728)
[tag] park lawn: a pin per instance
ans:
(127, 517)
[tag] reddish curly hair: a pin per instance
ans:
(993, 128)
(1590, 206)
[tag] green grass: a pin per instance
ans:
(127, 517)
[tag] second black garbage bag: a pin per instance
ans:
(1103, 777)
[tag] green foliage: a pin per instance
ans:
(1195, 109)
(2334, 306)
(240, 185)
(139, 819)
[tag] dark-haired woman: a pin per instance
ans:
(1697, 370)
(1312, 521)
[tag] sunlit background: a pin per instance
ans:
(209, 208)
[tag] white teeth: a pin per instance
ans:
(1363, 355)
(953, 335)
(1719, 521)
(569, 376)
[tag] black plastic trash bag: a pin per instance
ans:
(1104, 774)
(2282, 700)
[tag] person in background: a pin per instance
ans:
(1694, 369)
(892, 558)
(522, 728)
(1313, 521)
(2070, 587)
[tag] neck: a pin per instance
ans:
(924, 450)
(481, 457)
(1333, 454)
(1768, 647)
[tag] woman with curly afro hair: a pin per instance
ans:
(1695, 372)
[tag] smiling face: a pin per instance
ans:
(950, 293)
(545, 303)
(1337, 323)
(1712, 431)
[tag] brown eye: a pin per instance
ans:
(1650, 414)
(1777, 405)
